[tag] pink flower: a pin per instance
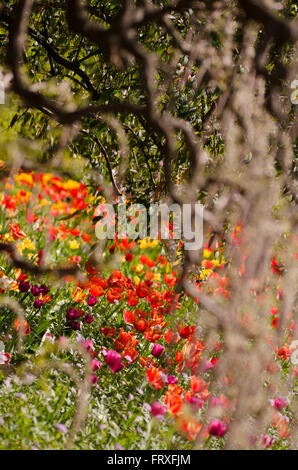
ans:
(274, 311)
(207, 365)
(94, 379)
(49, 337)
(87, 344)
(95, 365)
(267, 441)
(157, 350)
(172, 380)
(157, 409)
(215, 401)
(63, 342)
(280, 403)
(217, 428)
(113, 359)
(196, 402)
(91, 301)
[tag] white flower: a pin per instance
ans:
(4, 358)
(5, 283)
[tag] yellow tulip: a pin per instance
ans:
(139, 268)
(73, 245)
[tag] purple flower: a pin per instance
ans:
(24, 286)
(147, 406)
(21, 395)
(44, 290)
(37, 303)
(74, 325)
(119, 447)
(91, 301)
(157, 350)
(157, 409)
(35, 291)
(62, 428)
(72, 314)
(113, 359)
(88, 319)
(217, 428)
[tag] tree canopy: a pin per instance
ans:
(176, 101)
